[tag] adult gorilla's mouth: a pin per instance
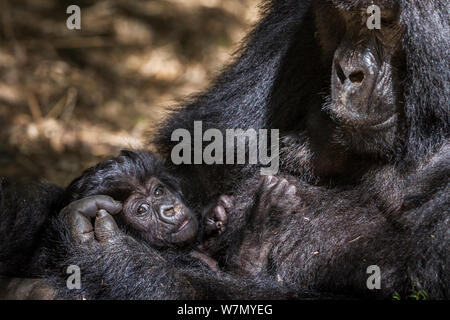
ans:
(384, 124)
(350, 119)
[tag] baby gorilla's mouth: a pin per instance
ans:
(186, 232)
(184, 224)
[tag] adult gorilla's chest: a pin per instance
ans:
(329, 243)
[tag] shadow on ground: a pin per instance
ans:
(69, 98)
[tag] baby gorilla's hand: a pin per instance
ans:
(78, 215)
(216, 217)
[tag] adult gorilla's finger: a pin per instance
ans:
(79, 226)
(89, 206)
(105, 227)
(267, 186)
(268, 182)
(78, 214)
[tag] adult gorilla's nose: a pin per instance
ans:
(354, 75)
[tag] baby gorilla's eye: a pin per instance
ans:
(143, 208)
(159, 191)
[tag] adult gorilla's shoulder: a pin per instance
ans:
(427, 87)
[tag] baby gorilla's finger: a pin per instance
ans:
(226, 201)
(210, 225)
(220, 214)
(106, 229)
(216, 220)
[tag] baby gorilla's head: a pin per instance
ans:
(158, 214)
(153, 205)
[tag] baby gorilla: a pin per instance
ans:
(151, 205)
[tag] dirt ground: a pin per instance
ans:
(70, 98)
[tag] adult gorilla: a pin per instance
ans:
(365, 111)
(345, 98)
(364, 121)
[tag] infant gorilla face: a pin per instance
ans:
(158, 215)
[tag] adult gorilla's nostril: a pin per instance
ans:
(340, 73)
(357, 76)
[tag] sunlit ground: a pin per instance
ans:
(70, 98)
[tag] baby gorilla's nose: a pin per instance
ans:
(167, 211)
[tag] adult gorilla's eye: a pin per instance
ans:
(159, 191)
(143, 208)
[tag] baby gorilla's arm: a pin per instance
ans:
(215, 219)
(203, 257)
(77, 217)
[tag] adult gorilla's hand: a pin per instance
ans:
(275, 195)
(77, 216)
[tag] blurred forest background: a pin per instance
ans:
(70, 98)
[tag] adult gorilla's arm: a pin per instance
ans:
(255, 91)
(116, 266)
(427, 213)
(25, 206)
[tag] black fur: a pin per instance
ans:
(388, 190)
(118, 177)
(25, 208)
